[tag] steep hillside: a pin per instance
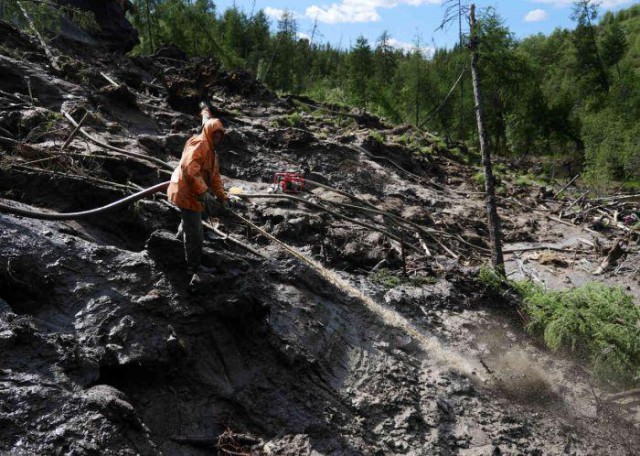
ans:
(321, 346)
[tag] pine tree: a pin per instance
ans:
(590, 67)
(614, 45)
(360, 63)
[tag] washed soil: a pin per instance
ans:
(107, 350)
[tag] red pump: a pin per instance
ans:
(288, 182)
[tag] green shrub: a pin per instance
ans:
(386, 278)
(294, 119)
(377, 136)
(597, 322)
(527, 180)
(492, 279)
(390, 279)
(425, 151)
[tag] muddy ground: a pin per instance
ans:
(106, 350)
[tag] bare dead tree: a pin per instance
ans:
(497, 258)
(457, 9)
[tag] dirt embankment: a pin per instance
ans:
(106, 350)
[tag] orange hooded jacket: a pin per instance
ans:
(198, 171)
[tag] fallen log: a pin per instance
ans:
(559, 220)
(623, 395)
(74, 132)
(576, 201)
(332, 212)
(545, 247)
(566, 186)
(157, 161)
(53, 60)
(615, 253)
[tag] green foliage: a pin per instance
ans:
(360, 61)
(491, 278)
(571, 92)
(614, 44)
(376, 136)
(424, 151)
(390, 279)
(294, 120)
(404, 139)
(597, 322)
(46, 16)
(526, 180)
(612, 148)
(386, 278)
(478, 178)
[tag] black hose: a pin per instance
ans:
(76, 215)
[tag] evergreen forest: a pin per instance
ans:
(569, 102)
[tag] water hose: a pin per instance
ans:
(82, 214)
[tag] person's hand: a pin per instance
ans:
(211, 204)
(233, 202)
(205, 111)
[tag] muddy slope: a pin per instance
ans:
(107, 351)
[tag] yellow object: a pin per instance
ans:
(236, 190)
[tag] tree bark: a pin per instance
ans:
(497, 258)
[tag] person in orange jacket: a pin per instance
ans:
(193, 185)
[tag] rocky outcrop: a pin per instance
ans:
(116, 32)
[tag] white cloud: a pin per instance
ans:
(277, 13)
(536, 15)
(405, 47)
(350, 11)
(303, 36)
(342, 13)
(273, 12)
(556, 3)
(605, 4)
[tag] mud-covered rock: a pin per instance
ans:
(120, 94)
(116, 32)
(32, 80)
(171, 144)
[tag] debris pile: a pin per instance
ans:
(344, 319)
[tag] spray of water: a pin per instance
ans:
(390, 317)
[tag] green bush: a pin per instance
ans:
(492, 279)
(424, 151)
(386, 278)
(377, 136)
(611, 148)
(597, 322)
(527, 180)
(478, 178)
(294, 119)
(390, 279)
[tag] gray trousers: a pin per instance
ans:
(191, 231)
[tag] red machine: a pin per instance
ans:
(288, 182)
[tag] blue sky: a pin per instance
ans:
(340, 22)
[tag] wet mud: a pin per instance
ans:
(107, 350)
